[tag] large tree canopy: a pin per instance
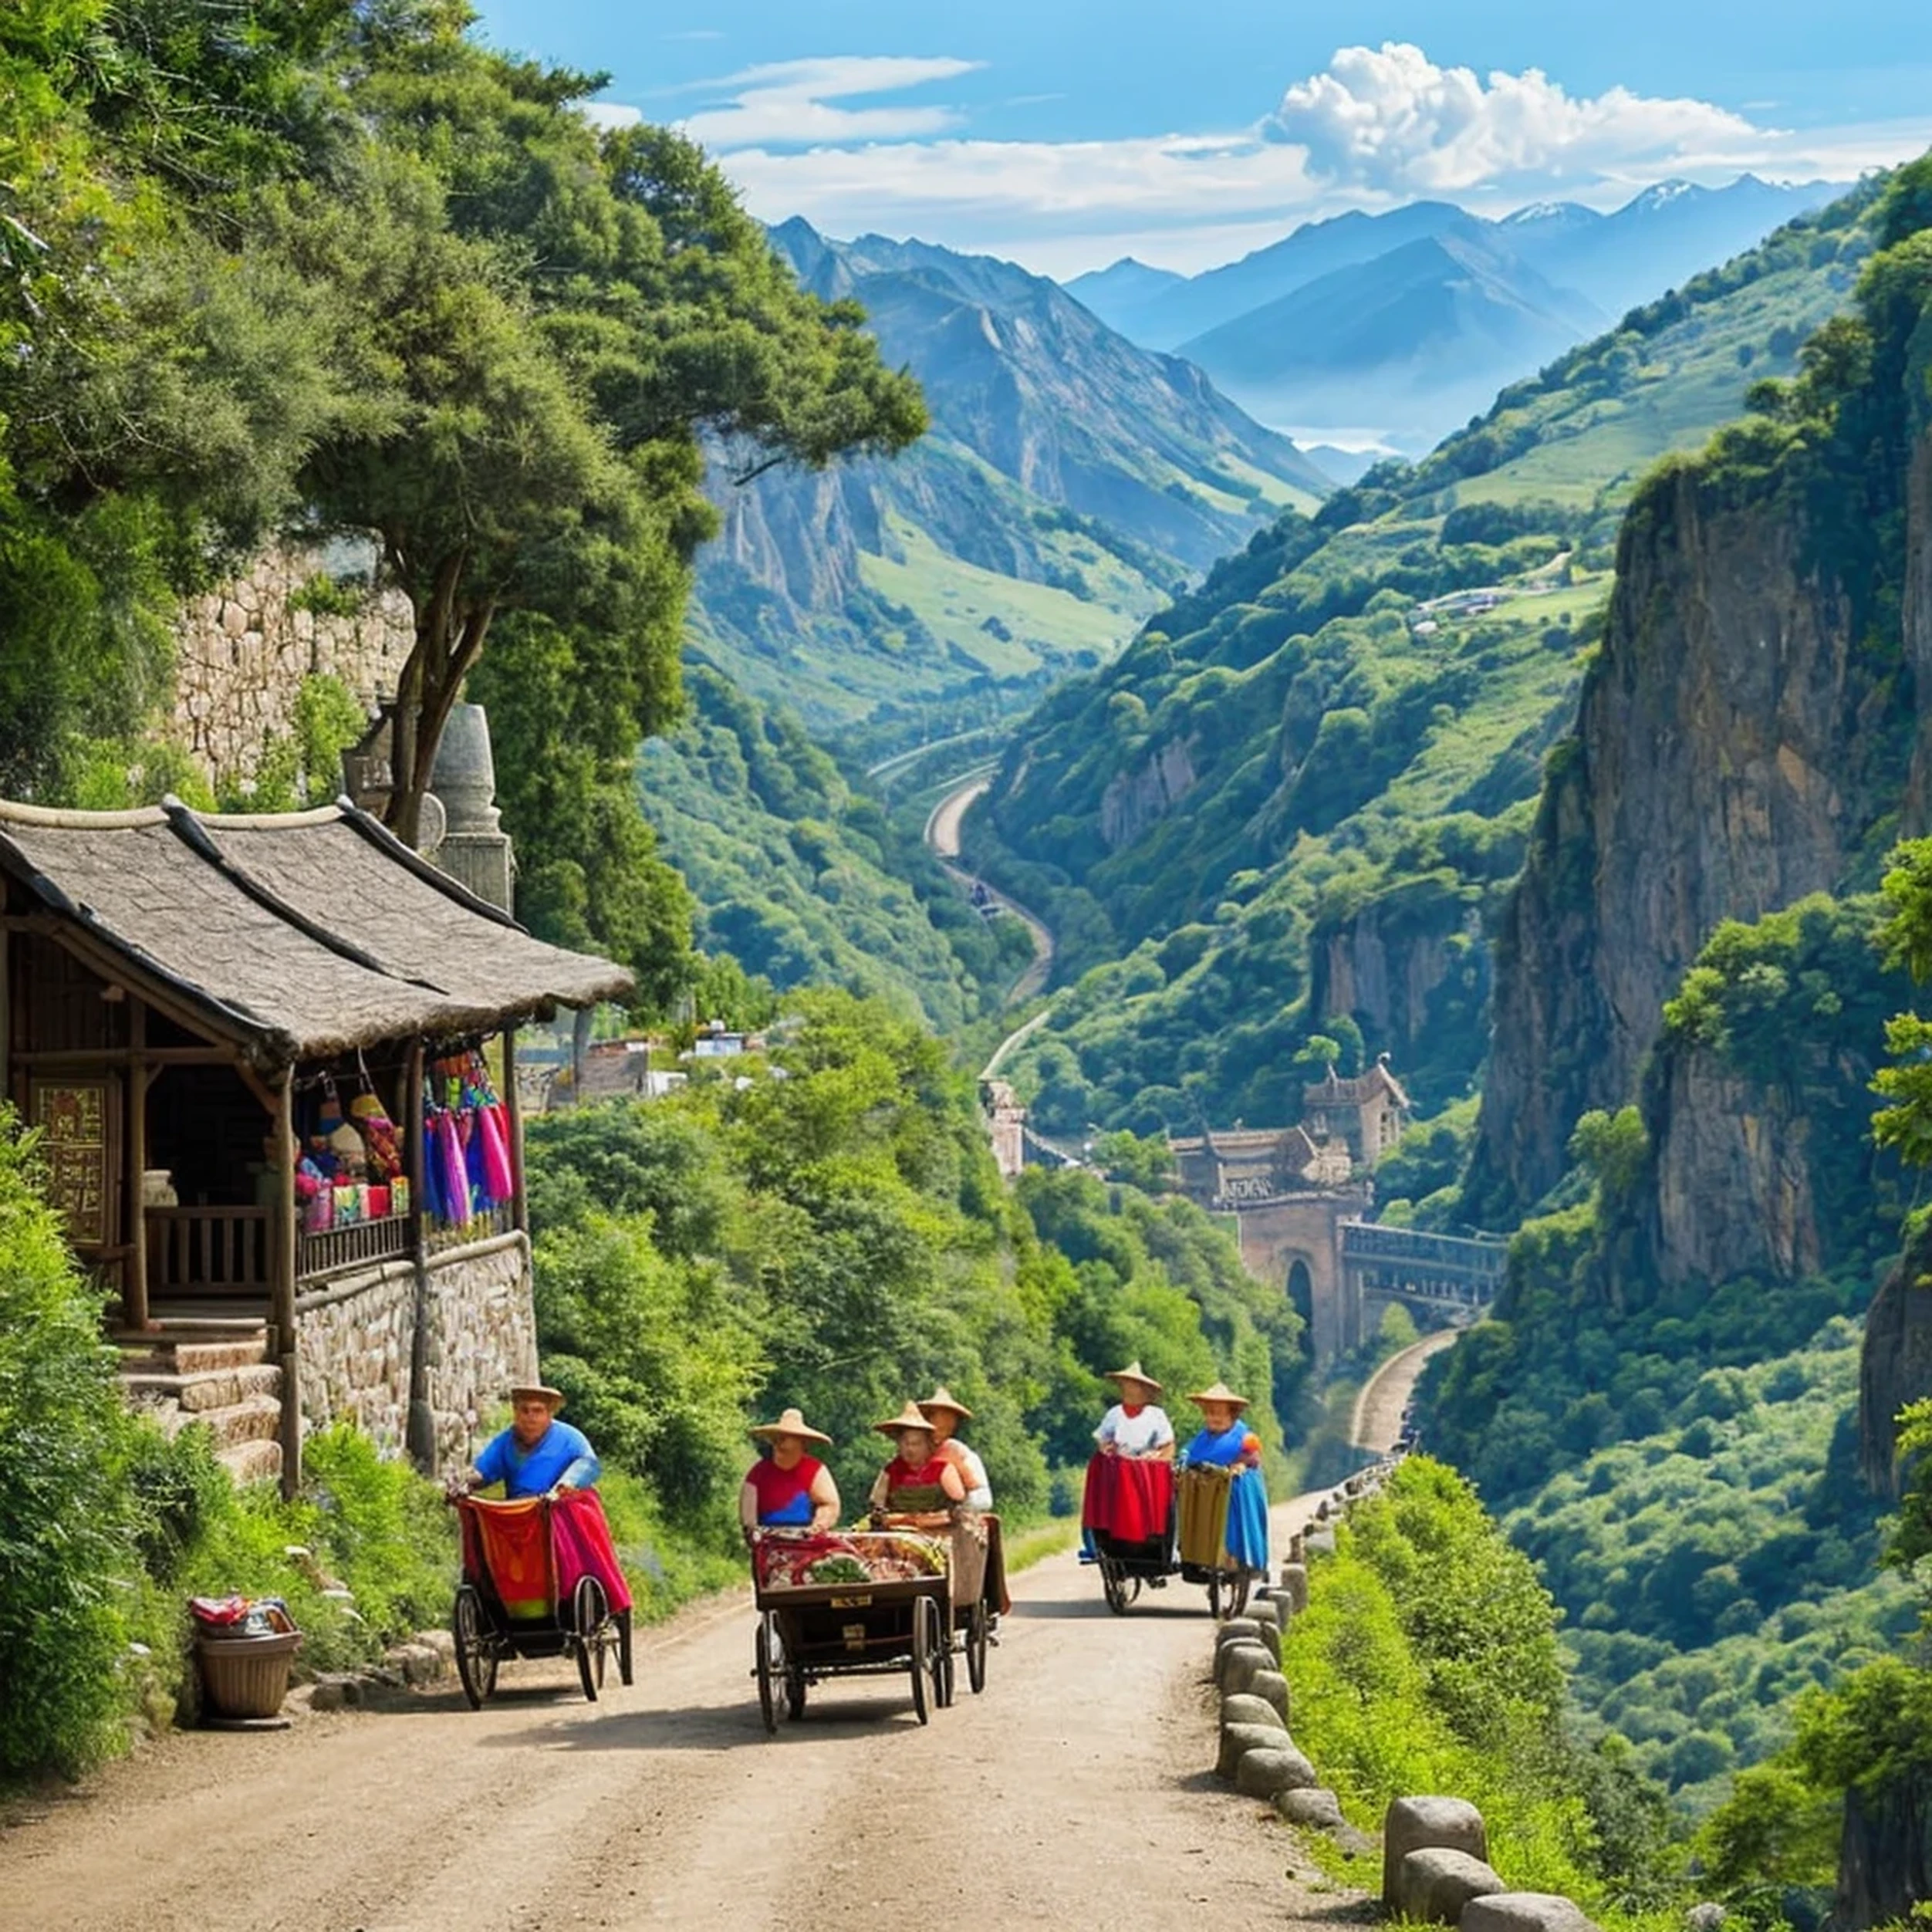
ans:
(334, 264)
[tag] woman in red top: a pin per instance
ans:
(917, 1489)
(788, 1488)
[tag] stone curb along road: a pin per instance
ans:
(1434, 1849)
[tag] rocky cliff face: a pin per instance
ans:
(1885, 1858)
(1897, 1365)
(1402, 977)
(1734, 746)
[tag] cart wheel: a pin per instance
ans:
(978, 1632)
(923, 1619)
(794, 1691)
(589, 1612)
(623, 1648)
(768, 1662)
(475, 1655)
(943, 1660)
(1243, 1581)
(1113, 1584)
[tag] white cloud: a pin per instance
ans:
(1376, 126)
(1389, 119)
(610, 113)
(793, 102)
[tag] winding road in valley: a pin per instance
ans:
(1078, 1784)
(942, 834)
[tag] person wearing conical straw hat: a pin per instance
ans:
(1223, 1438)
(945, 1412)
(1225, 1441)
(1136, 1425)
(918, 1487)
(537, 1455)
(789, 1488)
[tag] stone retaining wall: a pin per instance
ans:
(356, 1338)
(241, 653)
(482, 1337)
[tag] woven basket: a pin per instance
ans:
(246, 1676)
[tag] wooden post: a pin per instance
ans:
(421, 1427)
(6, 1014)
(281, 1282)
(134, 1276)
(513, 1109)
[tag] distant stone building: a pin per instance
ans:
(1367, 1115)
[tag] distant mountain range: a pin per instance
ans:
(1410, 321)
(1069, 483)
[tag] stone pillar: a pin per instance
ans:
(475, 850)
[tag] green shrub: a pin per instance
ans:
(66, 1558)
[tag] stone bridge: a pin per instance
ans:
(1319, 1244)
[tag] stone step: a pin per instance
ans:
(256, 1418)
(256, 1461)
(209, 1389)
(240, 1352)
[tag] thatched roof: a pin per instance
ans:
(297, 936)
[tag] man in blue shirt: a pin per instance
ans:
(537, 1455)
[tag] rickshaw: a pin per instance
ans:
(979, 1596)
(540, 1579)
(835, 1603)
(1148, 1521)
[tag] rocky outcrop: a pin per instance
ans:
(1885, 1857)
(1141, 798)
(1733, 1173)
(1734, 745)
(1404, 967)
(1896, 1365)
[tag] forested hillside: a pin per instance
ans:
(1295, 807)
(806, 881)
(1069, 483)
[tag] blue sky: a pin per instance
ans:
(1064, 134)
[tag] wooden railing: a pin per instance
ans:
(337, 1250)
(499, 1220)
(208, 1251)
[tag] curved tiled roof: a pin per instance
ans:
(297, 935)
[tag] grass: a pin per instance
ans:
(1036, 1543)
(954, 599)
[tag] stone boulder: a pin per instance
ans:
(1294, 1587)
(1272, 1686)
(1415, 1824)
(1313, 1805)
(1237, 1665)
(1243, 1709)
(1269, 1768)
(1237, 1629)
(1524, 1912)
(1321, 1542)
(1238, 1740)
(1435, 1884)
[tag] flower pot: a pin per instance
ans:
(245, 1677)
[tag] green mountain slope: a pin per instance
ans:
(1294, 805)
(804, 880)
(1069, 484)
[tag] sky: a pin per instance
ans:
(1066, 133)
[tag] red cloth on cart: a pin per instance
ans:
(506, 1543)
(1127, 1498)
(580, 1543)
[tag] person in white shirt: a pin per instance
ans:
(1135, 1425)
(945, 1413)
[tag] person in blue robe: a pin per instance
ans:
(1224, 1440)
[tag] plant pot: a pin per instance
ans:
(245, 1677)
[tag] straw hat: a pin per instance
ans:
(538, 1392)
(791, 1423)
(942, 1397)
(1219, 1393)
(1133, 1372)
(908, 1417)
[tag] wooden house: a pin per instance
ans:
(206, 1018)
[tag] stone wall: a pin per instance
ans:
(354, 1340)
(482, 1337)
(357, 1338)
(241, 652)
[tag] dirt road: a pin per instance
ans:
(1377, 1418)
(942, 834)
(1075, 1786)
